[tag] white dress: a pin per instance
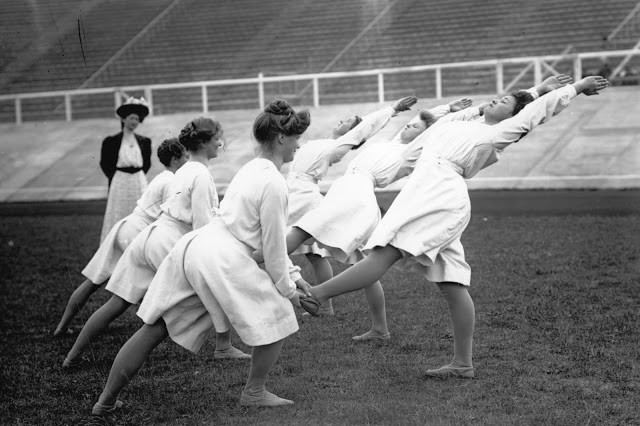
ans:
(432, 210)
(210, 280)
(345, 218)
(190, 206)
(312, 162)
(147, 210)
(125, 188)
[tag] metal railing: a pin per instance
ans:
(537, 62)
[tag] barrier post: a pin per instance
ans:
(380, 87)
(261, 90)
(439, 83)
(18, 111)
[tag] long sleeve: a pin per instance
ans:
(273, 223)
(371, 124)
(462, 115)
(534, 114)
(107, 159)
(438, 112)
(202, 201)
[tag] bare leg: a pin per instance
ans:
(130, 359)
(361, 275)
(224, 349)
(100, 319)
(375, 299)
(76, 301)
(322, 272)
(262, 360)
(295, 238)
(462, 313)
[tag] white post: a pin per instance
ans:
(439, 83)
(18, 111)
(205, 100)
(577, 68)
(117, 100)
(316, 93)
(537, 72)
(67, 106)
(149, 97)
(261, 90)
(380, 88)
(499, 78)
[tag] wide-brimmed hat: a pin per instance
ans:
(134, 106)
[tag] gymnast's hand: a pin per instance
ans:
(304, 286)
(591, 85)
(295, 299)
(552, 83)
(405, 104)
(460, 104)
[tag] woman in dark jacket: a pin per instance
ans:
(124, 159)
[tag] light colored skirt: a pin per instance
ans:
(426, 220)
(104, 261)
(140, 261)
(124, 192)
(304, 196)
(210, 280)
(345, 218)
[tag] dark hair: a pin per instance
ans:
(198, 132)
(168, 149)
(523, 98)
(427, 117)
(279, 117)
(357, 120)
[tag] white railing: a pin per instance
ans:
(538, 62)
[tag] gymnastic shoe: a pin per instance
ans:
(101, 409)
(451, 371)
(230, 353)
(263, 399)
(371, 335)
(310, 304)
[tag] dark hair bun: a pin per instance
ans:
(197, 132)
(279, 107)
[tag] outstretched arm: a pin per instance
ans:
(370, 125)
(542, 109)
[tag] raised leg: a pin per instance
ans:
(322, 272)
(76, 301)
(100, 319)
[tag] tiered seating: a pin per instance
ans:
(104, 29)
(207, 40)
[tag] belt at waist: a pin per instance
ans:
(302, 176)
(130, 170)
(449, 164)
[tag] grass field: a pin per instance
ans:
(556, 338)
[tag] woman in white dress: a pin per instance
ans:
(311, 165)
(209, 280)
(190, 206)
(125, 158)
(172, 155)
(422, 228)
(347, 215)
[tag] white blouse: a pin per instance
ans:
(313, 159)
(129, 154)
(254, 209)
(474, 145)
(193, 197)
(157, 192)
(389, 161)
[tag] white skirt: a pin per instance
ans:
(209, 280)
(426, 220)
(140, 261)
(304, 196)
(103, 262)
(124, 192)
(345, 218)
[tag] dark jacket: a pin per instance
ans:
(111, 147)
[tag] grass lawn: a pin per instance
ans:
(556, 342)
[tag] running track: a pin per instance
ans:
(485, 202)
